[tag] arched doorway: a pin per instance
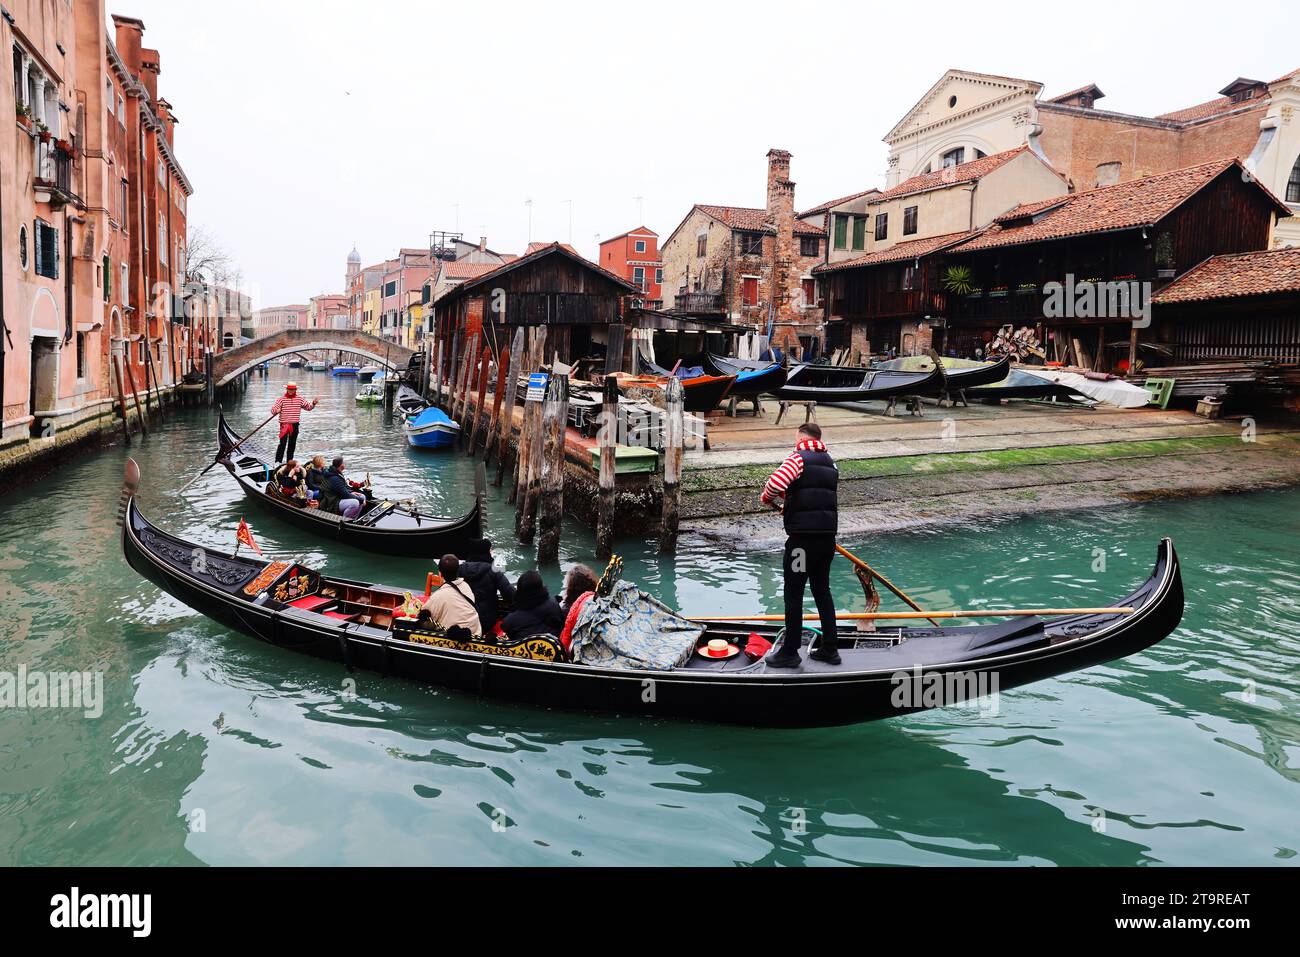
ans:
(43, 396)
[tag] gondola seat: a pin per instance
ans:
(311, 602)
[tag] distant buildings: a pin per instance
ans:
(273, 319)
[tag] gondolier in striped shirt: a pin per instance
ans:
(290, 407)
(805, 490)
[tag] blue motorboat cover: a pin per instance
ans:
(430, 416)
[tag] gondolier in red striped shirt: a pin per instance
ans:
(290, 407)
(805, 490)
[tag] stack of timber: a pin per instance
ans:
(1225, 377)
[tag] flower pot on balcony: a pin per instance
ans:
(25, 121)
(45, 135)
(63, 146)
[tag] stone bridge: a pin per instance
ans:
(235, 362)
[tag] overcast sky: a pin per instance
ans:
(308, 125)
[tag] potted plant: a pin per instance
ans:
(1165, 256)
(44, 132)
(958, 280)
(24, 116)
(63, 146)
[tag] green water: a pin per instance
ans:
(213, 748)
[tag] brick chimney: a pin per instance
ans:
(128, 37)
(482, 244)
(150, 68)
(784, 285)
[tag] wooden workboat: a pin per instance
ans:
(825, 383)
(384, 526)
(360, 624)
(751, 379)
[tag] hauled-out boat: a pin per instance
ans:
(702, 393)
(384, 526)
(961, 373)
(1023, 384)
(824, 383)
(431, 428)
(751, 380)
(886, 673)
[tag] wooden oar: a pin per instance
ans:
(909, 615)
(880, 578)
(231, 449)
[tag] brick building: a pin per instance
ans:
(752, 266)
(634, 255)
(275, 319)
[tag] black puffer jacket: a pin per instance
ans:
(488, 582)
(536, 612)
(811, 501)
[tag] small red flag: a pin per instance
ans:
(245, 536)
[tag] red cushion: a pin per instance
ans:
(310, 602)
(337, 614)
(566, 636)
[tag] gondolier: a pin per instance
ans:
(290, 407)
(807, 482)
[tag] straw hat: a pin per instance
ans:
(291, 387)
(719, 648)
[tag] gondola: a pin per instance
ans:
(703, 393)
(384, 526)
(824, 383)
(409, 402)
(884, 673)
(961, 373)
(1021, 384)
(750, 380)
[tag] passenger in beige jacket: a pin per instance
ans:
(452, 603)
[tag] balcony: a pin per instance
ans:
(699, 302)
(53, 179)
(1009, 306)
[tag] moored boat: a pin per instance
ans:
(344, 372)
(370, 395)
(384, 526)
(367, 373)
(885, 673)
(431, 428)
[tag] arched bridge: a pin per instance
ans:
(235, 362)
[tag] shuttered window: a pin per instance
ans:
(749, 290)
(909, 220)
(47, 251)
(841, 231)
(859, 232)
(882, 226)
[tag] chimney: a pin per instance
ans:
(482, 244)
(128, 34)
(150, 68)
(780, 191)
(784, 278)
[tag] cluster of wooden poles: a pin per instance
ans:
(151, 387)
(537, 470)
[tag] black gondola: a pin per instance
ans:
(700, 393)
(818, 383)
(386, 527)
(751, 379)
(961, 374)
(289, 605)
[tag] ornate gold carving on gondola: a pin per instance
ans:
(534, 648)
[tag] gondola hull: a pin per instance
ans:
(396, 531)
(750, 382)
(980, 659)
(809, 383)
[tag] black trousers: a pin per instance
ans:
(807, 561)
(288, 443)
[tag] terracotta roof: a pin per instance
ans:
(1023, 210)
(1074, 93)
(538, 251)
(464, 269)
(825, 207)
(912, 249)
(753, 220)
(640, 230)
(1229, 277)
(1141, 202)
(538, 247)
(952, 175)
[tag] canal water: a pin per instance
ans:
(213, 748)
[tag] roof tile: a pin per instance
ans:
(1232, 276)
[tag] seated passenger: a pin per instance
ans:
(340, 494)
(579, 581)
(486, 581)
(316, 473)
(291, 478)
(452, 604)
(536, 612)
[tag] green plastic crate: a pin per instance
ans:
(629, 460)
(1161, 390)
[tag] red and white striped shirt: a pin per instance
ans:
(291, 407)
(789, 470)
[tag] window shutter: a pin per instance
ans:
(40, 248)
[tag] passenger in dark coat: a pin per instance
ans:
(487, 581)
(536, 612)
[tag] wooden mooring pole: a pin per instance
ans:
(608, 439)
(135, 396)
(550, 506)
(492, 428)
(673, 428)
(507, 423)
(479, 420)
(121, 397)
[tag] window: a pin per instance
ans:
(123, 203)
(640, 245)
(108, 95)
(162, 241)
(162, 174)
(701, 244)
(909, 221)
(954, 157)
(143, 349)
(126, 275)
(638, 277)
(47, 251)
(909, 277)
(810, 292)
(659, 277)
(81, 355)
(22, 247)
(108, 279)
(882, 226)
(751, 244)
(390, 288)
(121, 111)
(810, 246)
(18, 76)
(860, 232)
(841, 230)
(749, 290)
(1293, 184)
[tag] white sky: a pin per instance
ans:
(307, 125)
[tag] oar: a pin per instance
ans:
(880, 578)
(228, 451)
(909, 615)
